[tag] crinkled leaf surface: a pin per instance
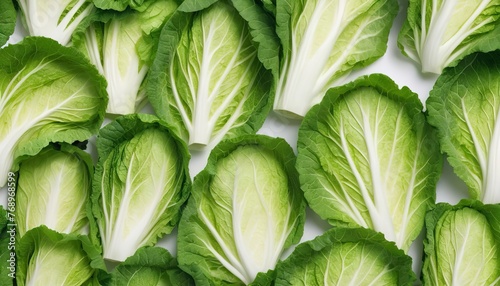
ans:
(53, 189)
(46, 257)
(462, 244)
(122, 5)
(463, 105)
(7, 20)
(207, 79)
(245, 209)
(367, 157)
(140, 184)
(346, 256)
(48, 93)
(150, 266)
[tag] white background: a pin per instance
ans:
(403, 71)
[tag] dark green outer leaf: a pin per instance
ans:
(121, 5)
(118, 5)
(262, 27)
(283, 23)
(158, 85)
(7, 20)
(270, 5)
(155, 260)
(467, 93)
(193, 256)
(195, 5)
(309, 253)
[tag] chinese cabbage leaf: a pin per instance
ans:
(323, 40)
(207, 79)
(367, 157)
(346, 256)
(463, 106)
(46, 257)
(140, 184)
(437, 33)
(53, 189)
(462, 244)
(48, 93)
(246, 207)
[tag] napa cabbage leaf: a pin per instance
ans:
(437, 34)
(246, 207)
(462, 244)
(367, 157)
(53, 189)
(141, 182)
(48, 93)
(463, 106)
(346, 256)
(46, 257)
(207, 79)
(323, 40)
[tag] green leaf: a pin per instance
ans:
(462, 244)
(262, 27)
(140, 184)
(150, 266)
(122, 5)
(246, 208)
(323, 40)
(463, 105)
(270, 5)
(7, 20)
(367, 157)
(48, 93)
(438, 34)
(195, 5)
(46, 257)
(346, 256)
(207, 95)
(53, 189)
